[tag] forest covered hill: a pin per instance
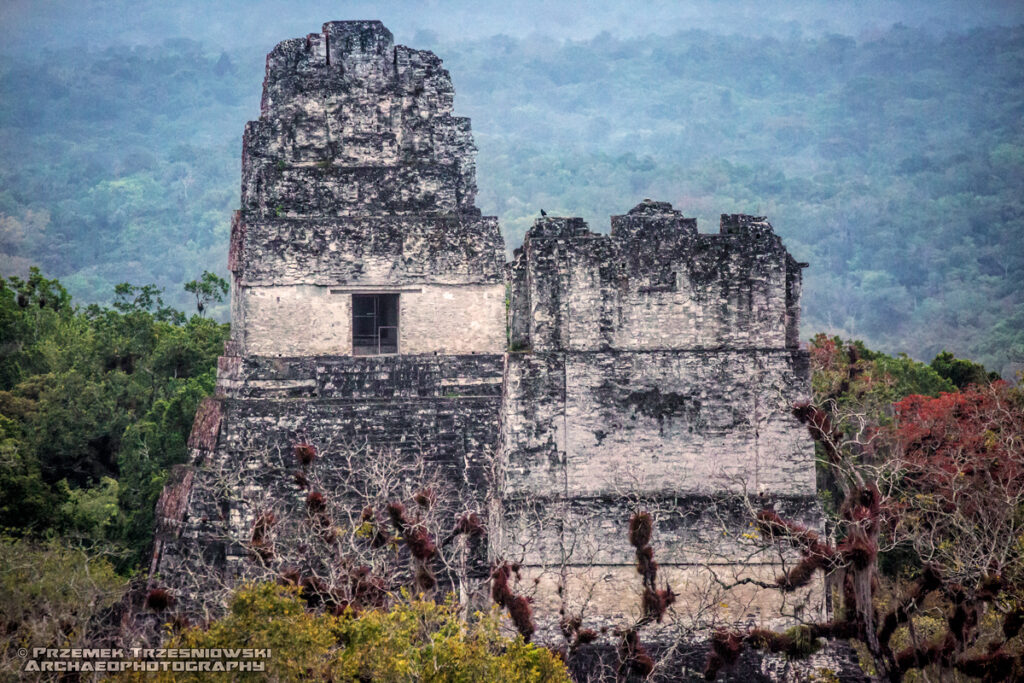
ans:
(893, 163)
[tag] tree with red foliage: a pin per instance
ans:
(420, 542)
(654, 601)
(948, 478)
(305, 453)
(961, 491)
(634, 659)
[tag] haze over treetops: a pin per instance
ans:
(891, 159)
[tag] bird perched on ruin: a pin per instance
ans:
(543, 212)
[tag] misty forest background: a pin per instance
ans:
(892, 161)
(884, 140)
(890, 157)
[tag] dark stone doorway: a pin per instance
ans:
(374, 324)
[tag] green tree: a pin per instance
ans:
(210, 287)
(51, 595)
(877, 380)
(136, 299)
(961, 372)
(31, 312)
(89, 510)
(95, 405)
(415, 640)
(27, 502)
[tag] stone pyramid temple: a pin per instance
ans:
(375, 323)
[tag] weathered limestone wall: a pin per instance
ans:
(670, 421)
(655, 284)
(575, 557)
(439, 409)
(653, 368)
(372, 249)
(311, 320)
(361, 378)
(356, 179)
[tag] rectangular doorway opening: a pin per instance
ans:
(374, 324)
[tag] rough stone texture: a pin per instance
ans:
(689, 421)
(365, 378)
(654, 284)
(442, 409)
(440, 250)
(652, 368)
(356, 179)
(685, 661)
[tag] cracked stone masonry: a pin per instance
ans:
(372, 308)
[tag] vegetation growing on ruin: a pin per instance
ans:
(96, 404)
(908, 215)
(925, 563)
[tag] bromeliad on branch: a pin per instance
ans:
(946, 480)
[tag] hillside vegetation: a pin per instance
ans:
(893, 164)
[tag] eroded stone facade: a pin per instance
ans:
(651, 368)
(358, 178)
(357, 181)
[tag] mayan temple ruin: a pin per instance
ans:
(378, 335)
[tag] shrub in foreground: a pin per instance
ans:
(415, 640)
